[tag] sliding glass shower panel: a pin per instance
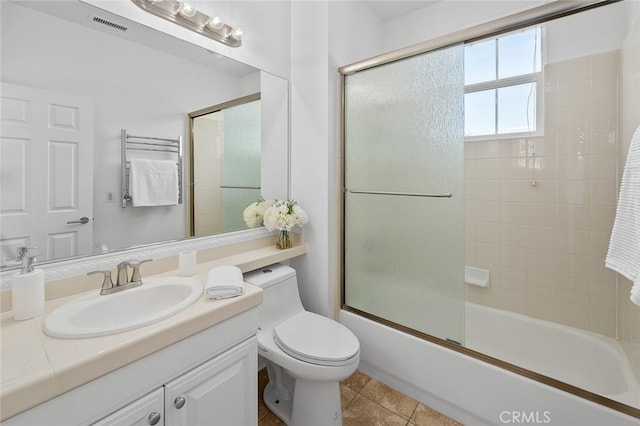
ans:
(235, 200)
(404, 202)
(241, 145)
(240, 162)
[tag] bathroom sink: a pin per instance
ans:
(96, 315)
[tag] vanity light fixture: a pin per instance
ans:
(184, 9)
(182, 13)
(215, 22)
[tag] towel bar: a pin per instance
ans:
(147, 143)
(406, 194)
(238, 187)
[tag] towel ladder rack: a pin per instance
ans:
(147, 143)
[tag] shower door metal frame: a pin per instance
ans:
(190, 143)
(540, 14)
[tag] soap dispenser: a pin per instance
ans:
(27, 288)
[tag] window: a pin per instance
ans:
(503, 85)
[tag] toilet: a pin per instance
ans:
(306, 354)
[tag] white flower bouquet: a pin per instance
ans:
(253, 214)
(277, 215)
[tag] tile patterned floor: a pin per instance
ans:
(368, 402)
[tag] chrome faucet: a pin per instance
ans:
(135, 274)
(122, 278)
(123, 274)
(107, 284)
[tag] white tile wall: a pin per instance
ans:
(546, 244)
(628, 314)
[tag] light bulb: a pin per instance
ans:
(236, 34)
(186, 10)
(215, 23)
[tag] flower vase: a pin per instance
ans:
(284, 241)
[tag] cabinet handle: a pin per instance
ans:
(179, 402)
(154, 418)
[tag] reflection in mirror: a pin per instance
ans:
(125, 76)
(225, 165)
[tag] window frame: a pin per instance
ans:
(535, 77)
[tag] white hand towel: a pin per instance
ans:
(623, 255)
(223, 282)
(153, 182)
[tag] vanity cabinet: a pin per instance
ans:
(214, 372)
(148, 410)
(219, 392)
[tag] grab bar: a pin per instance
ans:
(406, 194)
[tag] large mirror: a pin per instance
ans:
(71, 89)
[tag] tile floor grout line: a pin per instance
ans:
(382, 406)
(413, 412)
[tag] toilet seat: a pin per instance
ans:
(316, 339)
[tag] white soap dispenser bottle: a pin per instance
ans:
(27, 288)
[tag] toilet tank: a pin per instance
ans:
(280, 296)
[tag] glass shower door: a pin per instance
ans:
(240, 162)
(404, 202)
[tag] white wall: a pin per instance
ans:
(309, 146)
(446, 17)
(324, 36)
(574, 36)
(354, 35)
(274, 155)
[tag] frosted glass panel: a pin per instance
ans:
(404, 255)
(240, 163)
(234, 201)
(226, 160)
(241, 157)
(402, 263)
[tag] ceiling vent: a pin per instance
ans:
(108, 23)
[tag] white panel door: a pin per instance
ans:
(220, 392)
(46, 166)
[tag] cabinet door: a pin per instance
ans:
(222, 391)
(145, 411)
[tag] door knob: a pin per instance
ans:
(82, 220)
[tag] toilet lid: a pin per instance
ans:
(316, 339)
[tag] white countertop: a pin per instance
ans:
(37, 367)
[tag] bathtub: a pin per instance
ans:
(477, 393)
(589, 361)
